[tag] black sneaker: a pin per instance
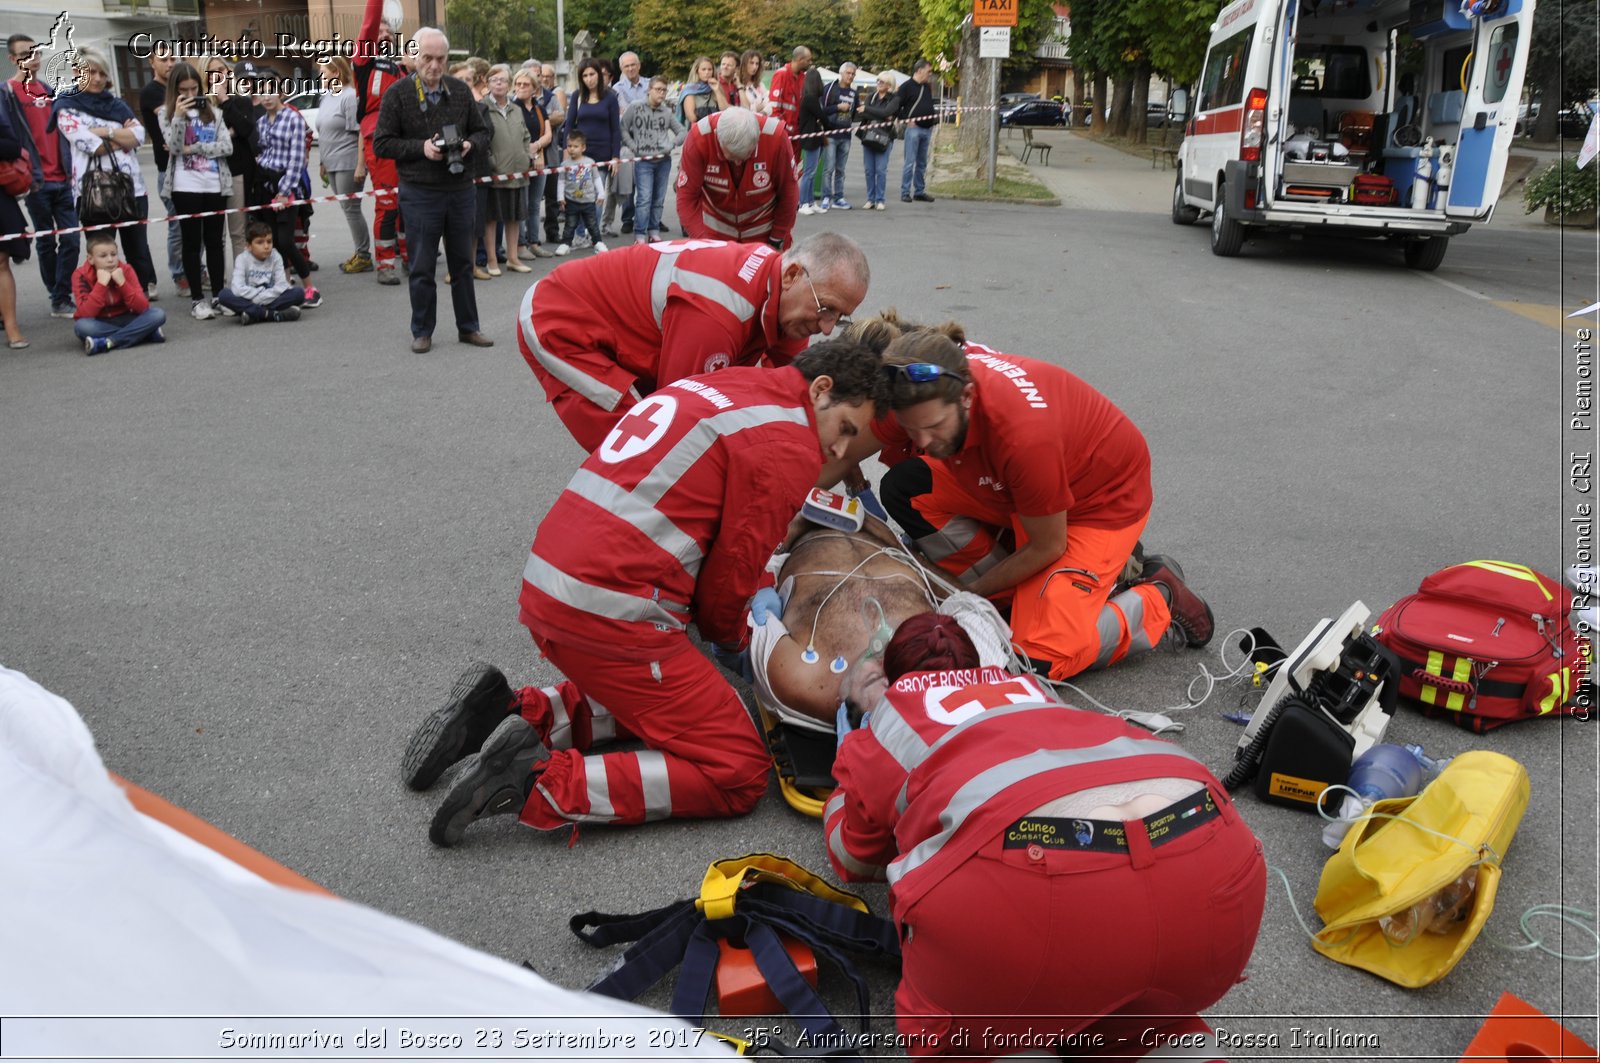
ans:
(1189, 611)
(479, 701)
(905, 199)
(495, 782)
(627, 226)
(923, 197)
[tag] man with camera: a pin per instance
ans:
(429, 123)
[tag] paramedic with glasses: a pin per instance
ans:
(1028, 486)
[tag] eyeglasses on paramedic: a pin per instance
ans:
(840, 318)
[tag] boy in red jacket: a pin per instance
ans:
(112, 310)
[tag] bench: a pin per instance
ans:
(1166, 153)
(1029, 146)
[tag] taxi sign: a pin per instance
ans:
(994, 12)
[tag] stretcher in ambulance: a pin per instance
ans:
(1378, 118)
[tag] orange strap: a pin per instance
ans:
(191, 825)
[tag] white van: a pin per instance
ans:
(1381, 118)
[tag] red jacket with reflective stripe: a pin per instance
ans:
(950, 759)
(675, 515)
(663, 311)
(1040, 441)
(784, 93)
(753, 200)
(374, 73)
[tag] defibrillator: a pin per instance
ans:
(1329, 702)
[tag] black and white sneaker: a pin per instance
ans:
(479, 700)
(495, 782)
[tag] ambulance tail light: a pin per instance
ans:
(1254, 131)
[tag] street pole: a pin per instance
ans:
(561, 36)
(533, 28)
(994, 118)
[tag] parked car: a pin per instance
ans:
(307, 104)
(1034, 113)
(1011, 99)
(1572, 123)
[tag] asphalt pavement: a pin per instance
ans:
(254, 557)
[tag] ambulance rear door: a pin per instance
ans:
(1499, 60)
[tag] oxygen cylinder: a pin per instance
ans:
(1423, 183)
(1441, 177)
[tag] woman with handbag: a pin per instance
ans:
(18, 250)
(198, 178)
(525, 88)
(877, 138)
(105, 136)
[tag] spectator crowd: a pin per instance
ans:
(528, 169)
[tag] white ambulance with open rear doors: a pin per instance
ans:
(1379, 118)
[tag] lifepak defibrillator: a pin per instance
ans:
(1329, 702)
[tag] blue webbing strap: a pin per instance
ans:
(660, 938)
(700, 956)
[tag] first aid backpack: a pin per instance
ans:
(1486, 643)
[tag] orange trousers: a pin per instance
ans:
(1067, 614)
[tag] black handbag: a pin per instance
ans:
(106, 194)
(877, 137)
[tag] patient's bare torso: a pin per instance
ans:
(837, 614)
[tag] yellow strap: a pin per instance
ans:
(1462, 672)
(724, 879)
(1507, 568)
(1435, 666)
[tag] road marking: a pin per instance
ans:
(1544, 315)
(1456, 287)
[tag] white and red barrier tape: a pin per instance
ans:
(29, 234)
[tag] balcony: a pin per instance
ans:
(1051, 49)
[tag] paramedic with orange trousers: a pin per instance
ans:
(1058, 851)
(987, 450)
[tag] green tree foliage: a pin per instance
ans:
(611, 22)
(941, 29)
(670, 33)
(828, 29)
(1561, 58)
(889, 34)
(494, 29)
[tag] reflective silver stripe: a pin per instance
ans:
(660, 281)
(602, 725)
(1131, 602)
(688, 450)
(598, 788)
(601, 394)
(639, 512)
(765, 208)
(770, 126)
(842, 857)
(653, 780)
(910, 750)
(981, 788)
(1108, 626)
(704, 125)
(717, 291)
(560, 736)
(898, 738)
(835, 803)
(601, 601)
(716, 224)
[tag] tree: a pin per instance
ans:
(671, 33)
(887, 34)
(1561, 58)
(941, 29)
(494, 29)
(826, 28)
(611, 22)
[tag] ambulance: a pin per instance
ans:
(1378, 118)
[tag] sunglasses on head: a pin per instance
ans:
(923, 372)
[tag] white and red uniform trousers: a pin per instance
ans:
(602, 332)
(1080, 927)
(1040, 441)
(375, 74)
(670, 521)
(749, 201)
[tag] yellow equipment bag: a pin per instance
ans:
(1404, 897)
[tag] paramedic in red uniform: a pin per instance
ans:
(1098, 876)
(788, 83)
(736, 179)
(669, 522)
(986, 449)
(377, 67)
(602, 332)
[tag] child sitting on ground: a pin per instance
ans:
(112, 309)
(584, 192)
(260, 289)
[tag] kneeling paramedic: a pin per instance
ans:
(669, 522)
(603, 332)
(1060, 852)
(985, 447)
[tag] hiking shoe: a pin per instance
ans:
(494, 782)
(356, 263)
(479, 701)
(388, 275)
(288, 313)
(1189, 611)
